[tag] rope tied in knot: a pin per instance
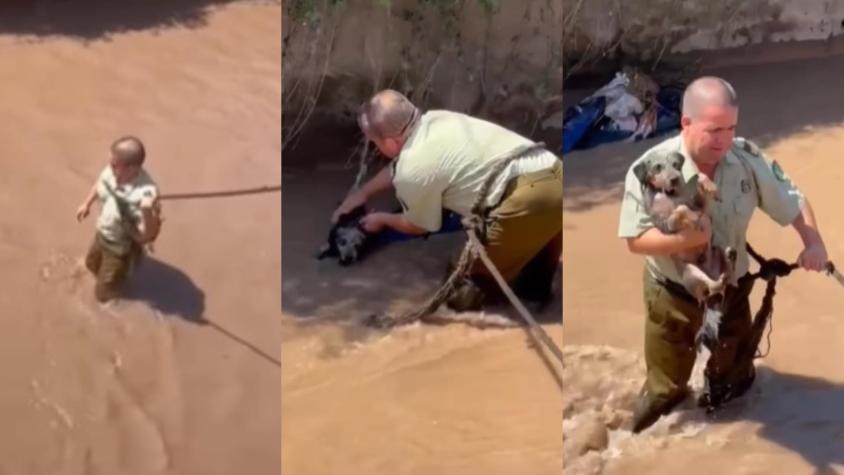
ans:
(770, 268)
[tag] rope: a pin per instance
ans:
(218, 194)
(539, 332)
(475, 225)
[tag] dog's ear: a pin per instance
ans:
(677, 159)
(641, 172)
(692, 185)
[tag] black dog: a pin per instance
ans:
(347, 241)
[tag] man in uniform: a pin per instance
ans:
(440, 160)
(129, 219)
(746, 179)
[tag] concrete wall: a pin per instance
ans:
(459, 59)
(644, 29)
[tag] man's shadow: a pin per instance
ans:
(800, 413)
(171, 292)
(167, 290)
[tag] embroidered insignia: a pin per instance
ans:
(745, 186)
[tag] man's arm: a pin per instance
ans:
(782, 200)
(85, 207)
(654, 242)
(806, 226)
(813, 256)
(382, 181)
(91, 197)
(150, 222)
(398, 222)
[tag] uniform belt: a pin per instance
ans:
(513, 183)
(676, 289)
(679, 290)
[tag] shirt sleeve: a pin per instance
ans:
(104, 177)
(633, 220)
(150, 191)
(779, 196)
(421, 199)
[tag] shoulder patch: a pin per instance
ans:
(750, 147)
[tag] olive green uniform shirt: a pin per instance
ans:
(110, 222)
(746, 179)
(447, 159)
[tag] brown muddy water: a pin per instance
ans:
(423, 399)
(791, 421)
(183, 377)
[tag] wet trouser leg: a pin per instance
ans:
(673, 319)
(523, 238)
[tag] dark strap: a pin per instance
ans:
(769, 270)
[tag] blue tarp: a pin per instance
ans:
(585, 126)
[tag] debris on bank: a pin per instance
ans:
(631, 107)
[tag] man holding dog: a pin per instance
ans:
(746, 179)
(440, 160)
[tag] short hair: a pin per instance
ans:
(129, 150)
(387, 114)
(708, 90)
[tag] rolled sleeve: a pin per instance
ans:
(633, 220)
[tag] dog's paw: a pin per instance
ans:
(682, 218)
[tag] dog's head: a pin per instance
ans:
(346, 239)
(662, 172)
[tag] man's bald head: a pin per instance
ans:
(128, 150)
(708, 91)
(387, 114)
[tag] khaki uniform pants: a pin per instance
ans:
(524, 238)
(672, 321)
(109, 267)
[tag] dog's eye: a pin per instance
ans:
(658, 167)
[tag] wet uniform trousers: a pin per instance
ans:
(524, 237)
(111, 268)
(673, 319)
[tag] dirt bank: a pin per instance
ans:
(156, 384)
(790, 421)
(599, 33)
(503, 63)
